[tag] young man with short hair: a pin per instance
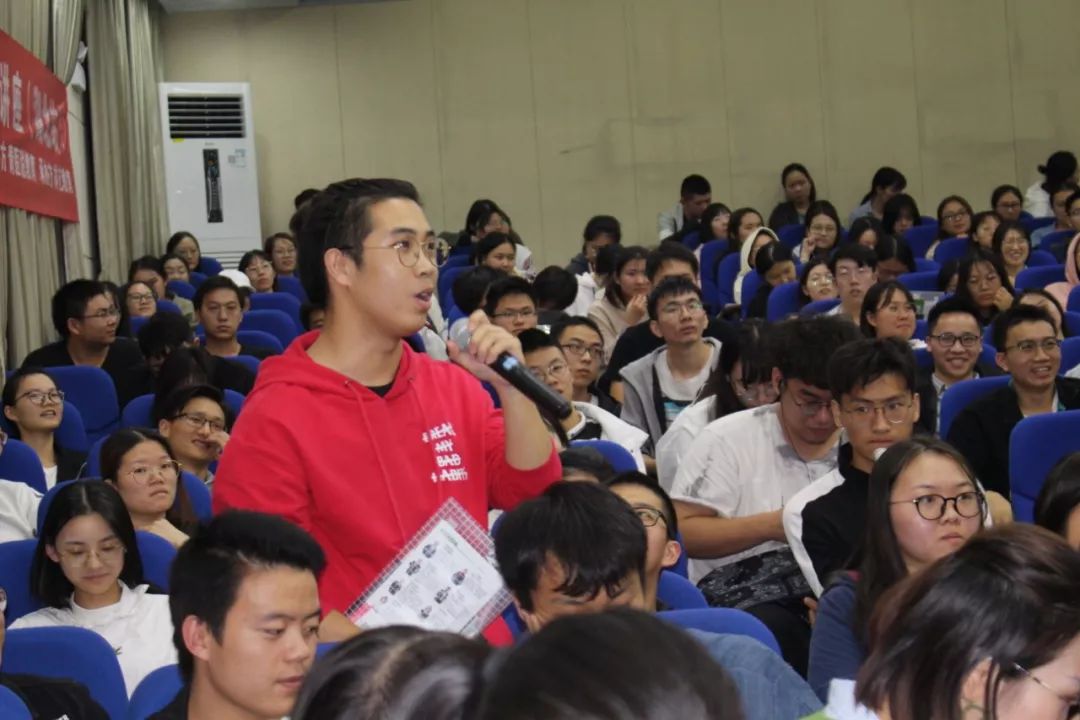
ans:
(511, 304)
(583, 345)
(874, 400)
(855, 268)
(220, 309)
(657, 387)
(245, 610)
(732, 485)
(86, 321)
(195, 421)
(546, 361)
(954, 341)
(579, 548)
(695, 194)
(351, 420)
(555, 290)
(1059, 203)
(164, 333)
(1029, 350)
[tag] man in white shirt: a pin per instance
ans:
(18, 510)
(731, 487)
(695, 194)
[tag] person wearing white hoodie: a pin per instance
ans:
(756, 240)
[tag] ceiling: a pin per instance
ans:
(174, 6)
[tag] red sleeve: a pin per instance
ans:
(262, 469)
(508, 486)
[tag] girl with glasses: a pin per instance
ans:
(281, 247)
(259, 269)
(87, 573)
(34, 410)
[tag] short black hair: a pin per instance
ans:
(504, 286)
(694, 185)
(588, 530)
(163, 333)
(533, 339)
(670, 287)
(862, 362)
(1015, 315)
(209, 568)
(892, 247)
(146, 262)
(212, 283)
(175, 402)
(770, 254)
(555, 287)
(303, 196)
(638, 479)
(561, 325)
(602, 225)
(486, 245)
(1060, 495)
(587, 460)
(953, 304)
(339, 217)
(804, 345)
(862, 255)
(670, 251)
(896, 205)
(879, 295)
(70, 301)
(470, 287)
(250, 257)
(1001, 191)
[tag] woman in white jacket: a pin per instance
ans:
(756, 240)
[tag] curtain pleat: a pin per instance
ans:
(67, 29)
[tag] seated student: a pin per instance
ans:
(660, 385)
(824, 521)
(1012, 244)
(908, 523)
(555, 290)
(140, 300)
(259, 269)
(742, 380)
(954, 216)
(18, 511)
(900, 214)
(799, 194)
(312, 317)
(1029, 350)
(511, 304)
(888, 310)
(1006, 202)
(948, 276)
(469, 292)
(245, 605)
(35, 408)
(758, 238)
(741, 226)
(599, 231)
(87, 572)
(775, 265)
(87, 323)
(714, 226)
(983, 226)
(816, 282)
(185, 245)
(695, 194)
(929, 659)
(983, 281)
(220, 309)
(585, 464)
(166, 335)
(865, 231)
(822, 231)
(855, 269)
(740, 470)
(195, 421)
(886, 183)
(580, 340)
(396, 672)
(545, 360)
(894, 258)
(1059, 203)
(625, 290)
(579, 549)
(1060, 290)
(141, 466)
(175, 268)
(281, 247)
(1058, 506)
(496, 251)
(667, 261)
(151, 271)
(954, 341)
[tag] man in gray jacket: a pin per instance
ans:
(695, 194)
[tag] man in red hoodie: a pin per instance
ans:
(354, 436)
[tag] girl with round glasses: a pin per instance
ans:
(34, 409)
(923, 503)
(87, 573)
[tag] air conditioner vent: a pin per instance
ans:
(206, 116)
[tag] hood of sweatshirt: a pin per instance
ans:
(744, 251)
(1071, 272)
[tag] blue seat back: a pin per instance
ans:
(617, 456)
(248, 361)
(459, 260)
(784, 300)
(12, 707)
(1072, 323)
(678, 593)
(135, 324)
(155, 692)
(691, 240)
(19, 463)
(710, 291)
(1042, 258)
(275, 322)
(164, 305)
(1070, 354)
(259, 338)
(209, 266)
(955, 248)
(921, 328)
(71, 434)
(962, 394)
(1034, 223)
(750, 285)
(726, 273)
(197, 278)
(137, 413)
(1035, 276)
(69, 653)
(446, 281)
(920, 280)
(723, 621)
(792, 235)
(1035, 445)
(157, 555)
(920, 238)
(282, 301)
(15, 559)
(91, 390)
(819, 307)
(1053, 238)
(178, 287)
(1073, 304)
(199, 495)
(924, 265)
(292, 285)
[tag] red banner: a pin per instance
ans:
(35, 159)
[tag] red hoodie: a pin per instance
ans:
(363, 473)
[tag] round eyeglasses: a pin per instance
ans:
(932, 507)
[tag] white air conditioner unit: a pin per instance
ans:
(210, 173)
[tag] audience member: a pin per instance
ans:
(816, 282)
(983, 226)
(824, 521)
(175, 268)
(626, 289)
(19, 505)
(556, 290)
(174, 359)
(799, 194)
(585, 464)
(355, 390)
(740, 471)
(657, 387)
(1013, 245)
(186, 246)
(886, 183)
(954, 216)
(34, 407)
(714, 225)
(855, 269)
(1059, 202)
(1060, 290)
(140, 300)
(775, 265)
(150, 271)
(143, 469)
(545, 360)
(87, 573)
(894, 258)
(312, 317)
(601, 230)
(281, 248)
(900, 215)
(821, 231)
(695, 194)
(495, 250)
(469, 293)
(1060, 168)
(219, 308)
(245, 608)
(865, 231)
(1058, 506)
(581, 342)
(484, 217)
(756, 239)
(929, 660)
(86, 321)
(741, 225)
(954, 341)
(920, 504)
(983, 281)
(511, 304)
(888, 310)
(1007, 201)
(195, 421)
(259, 269)
(1029, 350)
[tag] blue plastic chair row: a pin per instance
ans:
(962, 394)
(91, 390)
(1036, 444)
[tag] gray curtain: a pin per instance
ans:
(67, 29)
